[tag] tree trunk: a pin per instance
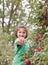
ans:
(3, 18)
(12, 11)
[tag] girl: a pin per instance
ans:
(20, 44)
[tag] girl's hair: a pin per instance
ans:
(18, 27)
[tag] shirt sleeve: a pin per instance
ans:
(16, 43)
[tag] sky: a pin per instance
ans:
(24, 3)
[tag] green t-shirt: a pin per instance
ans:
(20, 50)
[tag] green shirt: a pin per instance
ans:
(20, 50)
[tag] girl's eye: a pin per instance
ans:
(19, 32)
(23, 32)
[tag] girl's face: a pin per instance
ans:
(21, 33)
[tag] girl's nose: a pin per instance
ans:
(22, 34)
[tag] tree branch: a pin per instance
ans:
(11, 14)
(3, 17)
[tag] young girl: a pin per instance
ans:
(21, 45)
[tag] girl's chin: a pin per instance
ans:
(21, 37)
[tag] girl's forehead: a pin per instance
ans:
(21, 29)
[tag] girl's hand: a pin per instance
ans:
(21, 41)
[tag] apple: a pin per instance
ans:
(40, 39)
(36, 37)
(27, 61)
(46, 22)
(41, 32)
(39, 48)
(21, 40)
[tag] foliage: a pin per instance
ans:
(38, 53)
(6, 49)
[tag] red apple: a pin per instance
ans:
(46, 22)
(40, 39)
(36, 37)
(27, 61)
(41, 32)
(21, 40)
(39, 48)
